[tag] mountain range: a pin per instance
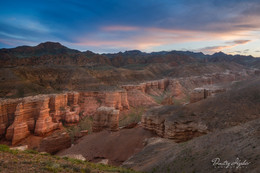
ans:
(51, 53)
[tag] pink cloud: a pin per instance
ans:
(147, 38)
(213, 49)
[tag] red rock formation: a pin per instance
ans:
(198, 94)
(154, 123)
(72, 112)
(44, 123)
(72, 117)
(150, 87)
(73, 98)
(19, 129)
(91, 101)
(136, 98)
(37, 115)
(57, 105)
(203, 93)
(106, 118)
(7, 111)
(183, 130)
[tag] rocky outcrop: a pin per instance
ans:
(44, 123)
(154, 123)
(170, 126)
(24, 120)
(183, 130)
(55, 142)
(106, 118)
(137, 98)
(57, 105)
(7, 111)
(202, 93)
(150, 87)
(37, 115)
(91, 101)
(199, 94)
(140, 95)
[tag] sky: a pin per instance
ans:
(106, 26)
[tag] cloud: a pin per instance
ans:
(119, 25)
(231, 44)
(238, 42)
(246, 50)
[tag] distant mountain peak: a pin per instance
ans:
(133, 52)
(219, 54)
(50, 45)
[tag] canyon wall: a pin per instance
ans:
(36, 115)
(90, 101)
(42, 114)
(39, 115)
(143, 94)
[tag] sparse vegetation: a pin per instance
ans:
(28, 161)
(159, 98)
(62, 108)
(84, 124)
(134, 116)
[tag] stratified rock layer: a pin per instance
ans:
(44, 123)
(106, 118)
(90, 101)
(43, 113)
(172, 126)
(36, 115)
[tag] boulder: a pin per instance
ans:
(55, 142)
(106, 118)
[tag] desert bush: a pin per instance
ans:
(134, 116)
(84, 124)
(159, 99)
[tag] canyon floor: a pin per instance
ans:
(159, 112)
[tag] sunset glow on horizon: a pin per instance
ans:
(106, 26)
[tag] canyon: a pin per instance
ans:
(41, 114)
(127, 107)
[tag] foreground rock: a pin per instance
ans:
(163, 155)
(167, 122)
(55, 142)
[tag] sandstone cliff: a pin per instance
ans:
(39, 115)
(90, 101)
(36, 115)
(43, 113)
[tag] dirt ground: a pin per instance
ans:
(114, 146)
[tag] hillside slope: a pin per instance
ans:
(32, 161)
